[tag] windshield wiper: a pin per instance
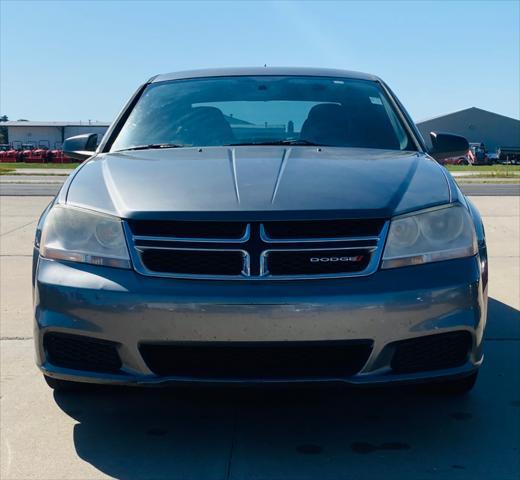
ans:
(279, 142)
(151, 146)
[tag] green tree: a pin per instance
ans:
(3, 130)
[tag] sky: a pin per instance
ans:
(76, 60)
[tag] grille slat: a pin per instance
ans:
(188, 229)
(194, 262)
(276, 360)
(323, 229)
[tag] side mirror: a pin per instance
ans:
(80, 147)
(446, 145)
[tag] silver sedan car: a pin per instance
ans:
(261, 225)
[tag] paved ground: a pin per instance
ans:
(38, 185)
(257, 434)
(28, 189)
(490, 189)
(30, 179)
(477, 172)
(44, 171)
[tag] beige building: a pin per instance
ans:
(49, 134)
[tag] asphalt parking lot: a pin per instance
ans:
(325, 433)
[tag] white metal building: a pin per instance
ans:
(50, 134)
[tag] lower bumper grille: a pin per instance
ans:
(278, 360)
(433, 352)
(81, 353)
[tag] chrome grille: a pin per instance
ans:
(256, 251)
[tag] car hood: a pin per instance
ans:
(259, 182)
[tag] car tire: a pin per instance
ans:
(59, 385)
(457, 386)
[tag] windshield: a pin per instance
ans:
(262, 110)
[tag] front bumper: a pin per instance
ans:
(389, 306)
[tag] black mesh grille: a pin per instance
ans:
(81, 353)
(258, 361)
(317, 262)
(197, 262)
(188, 229)
(324, 228)
(433, 352)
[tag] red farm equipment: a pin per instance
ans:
(11, 156)
(4, 156)
(28, 155)
(57, 156)
(43, 150)
(38, 155)
(8, 154)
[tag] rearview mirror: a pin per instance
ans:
(446, 145)
(80, 147)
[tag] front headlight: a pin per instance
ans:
(430, 236)
(80, 235)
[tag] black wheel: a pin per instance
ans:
(457, 386)
(62, 385)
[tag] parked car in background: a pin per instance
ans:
(481, 155)
(467, 159)
(261, 225)
(509, 155)
(493, 158)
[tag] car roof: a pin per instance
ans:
(259, 71)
